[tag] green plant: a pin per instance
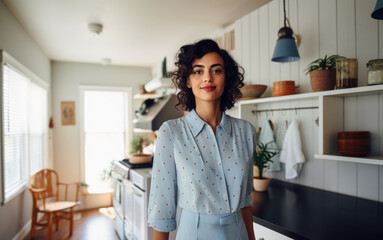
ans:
(262, 157)
(83, 184)
(136, 145)
(326, 63)
(106, 174)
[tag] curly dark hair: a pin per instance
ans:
(233, 74)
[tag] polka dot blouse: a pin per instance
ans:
(200, 171)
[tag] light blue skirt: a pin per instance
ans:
(193, 226)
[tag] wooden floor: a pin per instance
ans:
(88, 225)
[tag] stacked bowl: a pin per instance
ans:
(281, 88)
(354, 144)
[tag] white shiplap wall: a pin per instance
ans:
(326, 27)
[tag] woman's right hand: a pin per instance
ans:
(160, 235)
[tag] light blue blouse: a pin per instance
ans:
(208, 173)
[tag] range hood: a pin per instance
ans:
(153, 117)
(158, 82)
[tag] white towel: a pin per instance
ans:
(291, 153)
(267, 137)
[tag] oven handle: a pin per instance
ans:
(117, 179)
(136, 193)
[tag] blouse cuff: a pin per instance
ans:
(249, 201)
(163, 225)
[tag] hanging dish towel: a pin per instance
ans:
(291, 153)
(266, 136)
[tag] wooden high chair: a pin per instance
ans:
(44, 186)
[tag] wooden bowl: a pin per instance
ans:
(253, 90)
(282, 88)
(354, 143)
(138, 158)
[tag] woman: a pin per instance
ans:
(203, 161)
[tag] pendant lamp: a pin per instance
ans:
(286, 49)
(378, 11)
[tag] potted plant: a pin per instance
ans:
(322, 73)
(137, 157)
(262, 159)
(84, 187)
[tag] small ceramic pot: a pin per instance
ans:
(261, 185)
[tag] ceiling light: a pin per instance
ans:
(95, 29)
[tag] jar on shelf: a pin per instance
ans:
(346, 73)
(375, 72)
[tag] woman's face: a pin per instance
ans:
(207, 79)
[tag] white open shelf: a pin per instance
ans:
(358, 91)
(330, 118)
(376, 160)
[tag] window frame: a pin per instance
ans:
(128, 116)
(6, 58)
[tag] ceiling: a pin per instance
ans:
(135, 32)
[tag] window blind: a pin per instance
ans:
(15, 130)
(24, 128)
(37, 126)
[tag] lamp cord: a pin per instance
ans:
(284, 12)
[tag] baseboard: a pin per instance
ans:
(23, 232)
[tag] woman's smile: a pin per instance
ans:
(208, 88)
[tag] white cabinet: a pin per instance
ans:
(263, 233)
(331, 116)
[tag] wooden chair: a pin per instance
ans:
(44, 186)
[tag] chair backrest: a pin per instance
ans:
(46, 179)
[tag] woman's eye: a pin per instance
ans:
(217, 71)
(197, 72)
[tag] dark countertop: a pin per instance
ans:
(301, 212)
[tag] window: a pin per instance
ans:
(24, 112)
(105, 134)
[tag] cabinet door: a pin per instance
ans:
(262, 233)
(139, 222)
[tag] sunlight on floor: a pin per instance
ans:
(109, 212)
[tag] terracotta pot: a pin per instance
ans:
(322, 80)
(261, 185)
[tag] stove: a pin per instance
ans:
(129, 165)
(131, 193)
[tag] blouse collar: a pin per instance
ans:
(196, 123)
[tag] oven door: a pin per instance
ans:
(118, 199)
(128, 209)
(118, 196)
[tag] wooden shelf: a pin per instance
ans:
(349, 92)
(145, 96)
(376, 160)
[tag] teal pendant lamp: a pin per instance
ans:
(286, 48)
(378, 11)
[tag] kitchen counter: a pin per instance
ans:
(301, 212)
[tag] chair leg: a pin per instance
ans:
(33, 224)
(50, 223)
(57, 221)
(71, 222)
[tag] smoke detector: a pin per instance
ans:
(95, 29)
